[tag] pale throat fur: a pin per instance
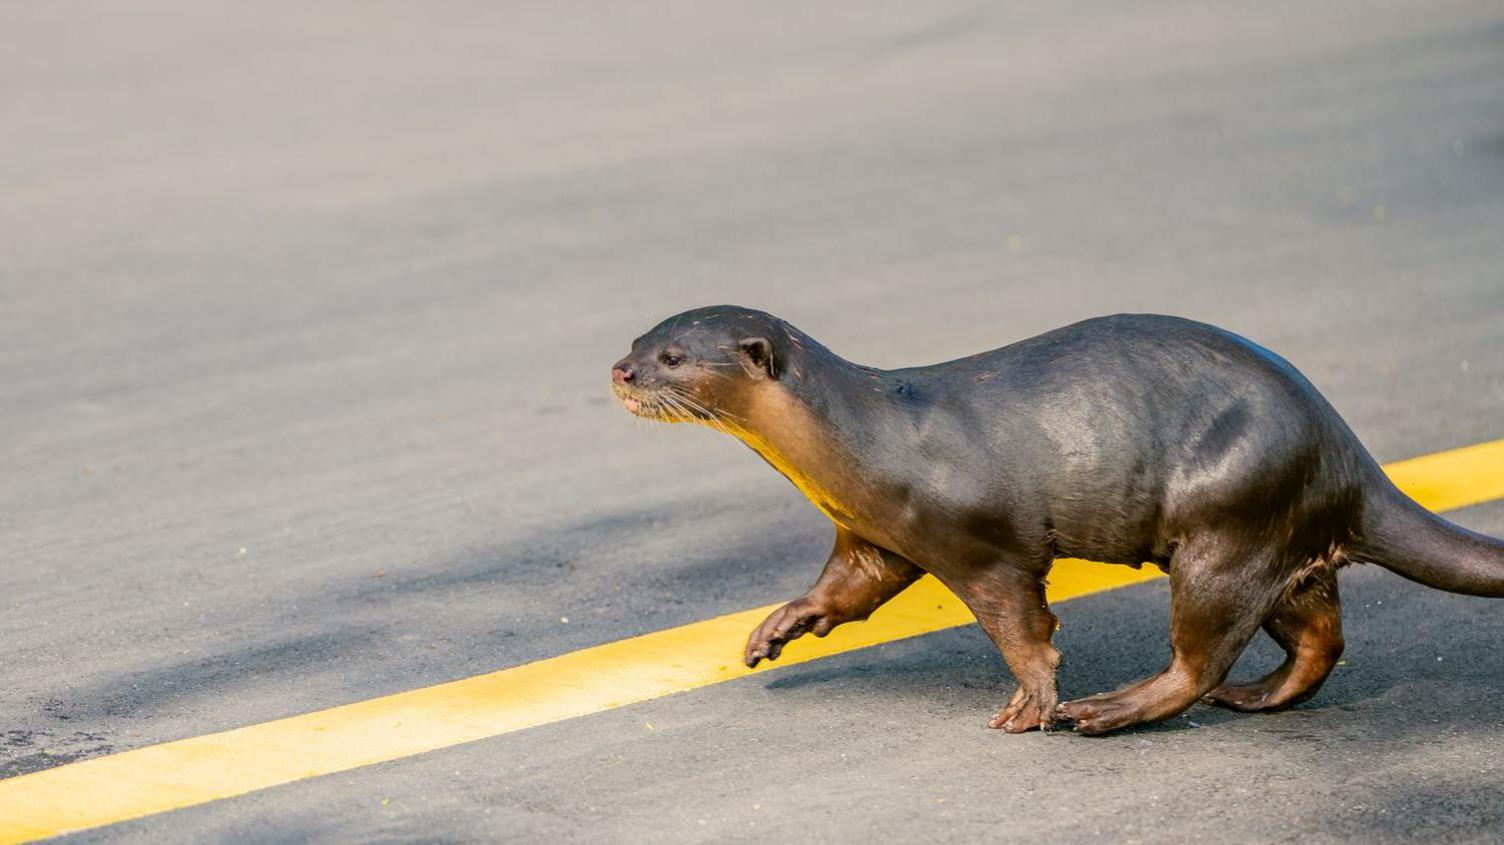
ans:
(795, 439)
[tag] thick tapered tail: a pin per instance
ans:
(1405, 538)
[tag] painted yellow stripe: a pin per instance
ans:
(179, 774)
(1454, 479)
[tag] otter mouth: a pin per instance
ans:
(668, 404)
(662, 405)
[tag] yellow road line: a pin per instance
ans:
(1454, 479)
(180, 774)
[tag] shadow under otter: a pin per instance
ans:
(1120, 439)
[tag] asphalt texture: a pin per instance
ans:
(306, 315)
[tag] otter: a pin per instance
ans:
(1124, 439)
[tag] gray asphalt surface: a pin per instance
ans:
(305, 321)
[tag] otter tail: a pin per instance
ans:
(1398, 534)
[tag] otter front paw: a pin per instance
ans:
(1027, 710)
(790, 622)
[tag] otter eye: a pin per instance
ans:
(670, 360)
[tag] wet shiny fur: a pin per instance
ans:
(1124, 439)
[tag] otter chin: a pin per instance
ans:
(660, 405)
(629, 403)
(1124, 439)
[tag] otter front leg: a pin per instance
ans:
(1009, 604)
(858, 578)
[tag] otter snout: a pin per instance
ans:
(622, 372)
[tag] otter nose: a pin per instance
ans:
(622, 372)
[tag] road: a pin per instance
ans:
(306, 314)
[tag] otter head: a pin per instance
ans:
(701, 366)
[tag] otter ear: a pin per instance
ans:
(757, 357)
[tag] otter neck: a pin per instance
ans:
(812, 425)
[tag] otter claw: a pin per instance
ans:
(789, 622)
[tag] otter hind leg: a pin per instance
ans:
(1219, 595)
(1307, 624)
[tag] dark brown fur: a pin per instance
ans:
(1123, 439)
